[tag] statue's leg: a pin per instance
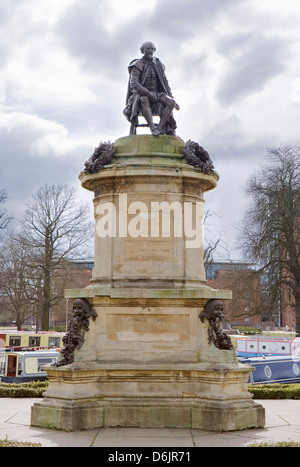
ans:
(132, 130)
(168, 106)
(147, 114)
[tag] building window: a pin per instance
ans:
(210, 272)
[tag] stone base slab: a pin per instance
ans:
(209, 397)
(203, 415)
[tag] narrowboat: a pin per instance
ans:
(19, 340)
(273, 369)
(274, 359)
(24, 366)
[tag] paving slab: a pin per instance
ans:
(282, 424)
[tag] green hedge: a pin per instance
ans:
(31, 389)
(275, 391)
(247, 330)
(259, 391)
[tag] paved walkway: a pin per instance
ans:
(282, 424)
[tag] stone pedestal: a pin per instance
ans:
(146, 360)
(150, 203)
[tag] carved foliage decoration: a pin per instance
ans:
(102, 156)
(213, 311)
(77, 326)
(197, 156)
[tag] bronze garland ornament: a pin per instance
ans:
(102, 156)
(213, 311)
(77, 326)
(197, 156)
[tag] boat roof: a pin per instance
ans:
(34, 353)
(270, 358)
(35, 333)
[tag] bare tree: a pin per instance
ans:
(56, 228)
(17, 288)
(212, 246)
(271, 228)
(248, 297)
(4, 218)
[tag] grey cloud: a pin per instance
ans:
(7, 13)
(83, 33)
(7, 8)
(253, 60)
(226, 142)
(182, 18)
(21, 172)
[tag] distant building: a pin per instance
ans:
(77, 276)
(248, 306)
(217, 268)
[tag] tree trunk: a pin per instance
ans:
(297, 312)
(46, 302)
(19, 323)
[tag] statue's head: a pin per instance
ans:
(214, 308)
(147, 45)
(217, 306)
(81, 307)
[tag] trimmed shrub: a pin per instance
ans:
(275, 391)
(31, 389)
(247, 330)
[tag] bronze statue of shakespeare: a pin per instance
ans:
(149, 93)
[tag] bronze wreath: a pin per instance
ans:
(103, 155)
(197, 156)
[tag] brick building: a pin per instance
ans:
(247, 307)
(77, 275)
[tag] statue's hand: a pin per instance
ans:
(177, 106)
(153, 96)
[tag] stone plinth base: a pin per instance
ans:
(148, 360)
(209, 397)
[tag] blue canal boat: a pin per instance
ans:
(274, 369)
(274, 359)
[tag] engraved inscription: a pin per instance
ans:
(140, 249)
(145, 328)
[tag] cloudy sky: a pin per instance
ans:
(233, 66)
